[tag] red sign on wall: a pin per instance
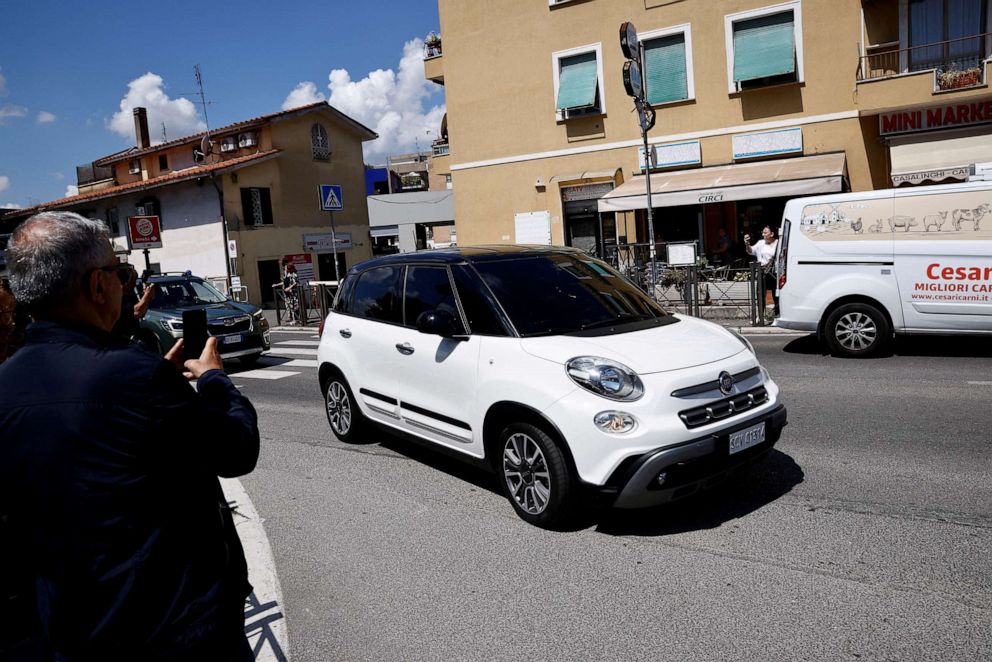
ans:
(936, 117)
(144, 232)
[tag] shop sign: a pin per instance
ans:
(937, 117)
(144, 232)
(325, 242)
(768, 143)
(962, 173)
(586, 192)
(674, 154)
(710, 196)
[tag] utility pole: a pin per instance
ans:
(633, 81)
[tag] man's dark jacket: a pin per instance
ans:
(108, 470)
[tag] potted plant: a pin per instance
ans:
(952, 80)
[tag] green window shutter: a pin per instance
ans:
(764, 46)
(664, 60)
(577, 82)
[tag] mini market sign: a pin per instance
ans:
(937, 117)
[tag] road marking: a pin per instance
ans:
(293, 351)
(266, 373)
(980, 383)
(304, 343)
(300, 363)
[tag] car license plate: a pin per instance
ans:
(230, 340)
(746, 438)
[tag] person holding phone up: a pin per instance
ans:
(109, 463)
(764, 251)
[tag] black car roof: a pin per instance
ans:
(461, 254)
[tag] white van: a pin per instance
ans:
(858, 267)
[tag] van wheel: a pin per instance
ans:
(856, 330)
(343, 415)
(535, 476)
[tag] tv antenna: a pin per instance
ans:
(206, 146)
(165, 136)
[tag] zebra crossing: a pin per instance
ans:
(287, 358)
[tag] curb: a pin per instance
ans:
(265, 620)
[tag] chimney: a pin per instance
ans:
(141, 128)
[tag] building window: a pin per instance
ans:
(256, 206)
(668, 65)
(113, 221)
(447, 181)
(934, 21)
(163, 162)
(578, 78)
(148, 207)
(229, 144)
(765, 47)
(134, 166)
(319, 143)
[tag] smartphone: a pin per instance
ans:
(194, 333)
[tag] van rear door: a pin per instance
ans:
(943, 255)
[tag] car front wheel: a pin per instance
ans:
(343, 414)
(856, 330)
(535, 476)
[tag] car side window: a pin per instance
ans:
(342, 299)
(377, 295)
(428, 288)
(478, 306)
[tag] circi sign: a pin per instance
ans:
(628, 41)
(632, 80)
(144, 227)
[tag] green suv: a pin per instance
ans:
(241, 330)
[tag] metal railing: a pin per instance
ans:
(957, 62)
(432, 46)
(297, 309)
(440, 148)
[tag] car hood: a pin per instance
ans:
(215, 311)
(690, 342)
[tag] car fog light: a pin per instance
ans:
(662, 477)
(614, 422)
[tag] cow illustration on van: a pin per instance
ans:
(973, 216)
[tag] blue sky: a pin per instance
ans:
(66, 69)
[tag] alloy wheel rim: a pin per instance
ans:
(526, 473)
(856, 331)
(338, 408)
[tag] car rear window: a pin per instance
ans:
(559, 294)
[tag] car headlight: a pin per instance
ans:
(257, 314)
(744, 341)
(605, 377)
(171, 325)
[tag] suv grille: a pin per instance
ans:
(240, 326)
(714, 411)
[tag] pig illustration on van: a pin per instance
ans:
(902, 223)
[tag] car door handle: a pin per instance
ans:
(345, 333)
(405, 348)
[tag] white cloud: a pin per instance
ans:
(45, 117)
(11, 205)
(71, 190)
(58, 176)
(4, 182)
(179, 115)
(303, 94)
(390, 103)
(11, 110)
(3, 85)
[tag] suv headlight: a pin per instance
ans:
(744, 341)
(605, 377)
(172, 325)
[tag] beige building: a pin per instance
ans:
(234, 203)
(756, 102)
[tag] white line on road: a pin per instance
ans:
(295, 351)
(980, 383)
(300, 363)
(266, 373)
(304, 343)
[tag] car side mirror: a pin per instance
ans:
(439, 323)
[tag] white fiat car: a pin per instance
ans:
(547, 367)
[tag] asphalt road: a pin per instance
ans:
(866, 535)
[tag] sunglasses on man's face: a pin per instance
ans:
(123, 271)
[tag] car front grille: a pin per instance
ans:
(219, 328)
(720, 409)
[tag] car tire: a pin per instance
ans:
(535, 477)
(857, 330)
(343, 415)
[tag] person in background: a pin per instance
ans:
(127, 326)
(291, 290)
(723, 253)
(764, 252)
(109, 465)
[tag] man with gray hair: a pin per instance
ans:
(109, 463)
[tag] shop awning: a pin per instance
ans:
(936, 157)
(586, 176)
(807, 175)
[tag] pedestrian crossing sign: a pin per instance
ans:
(330, 197)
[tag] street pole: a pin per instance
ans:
(148, 261)
(334, 248)
(648, 163)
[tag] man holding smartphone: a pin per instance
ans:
(109, 463)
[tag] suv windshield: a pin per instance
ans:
(558, 294)
(180, 293)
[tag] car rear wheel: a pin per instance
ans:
(856, 330)
(535, 476)
(343, 415)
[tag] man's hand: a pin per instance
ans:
(141, 307)
(194, 368)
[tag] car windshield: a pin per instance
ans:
(558, 294)
(180, 293)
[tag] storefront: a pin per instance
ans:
(937, 144)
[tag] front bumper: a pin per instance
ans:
(691, 466)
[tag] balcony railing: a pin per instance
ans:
(957, 62)
(432, 46)
(440, 148)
